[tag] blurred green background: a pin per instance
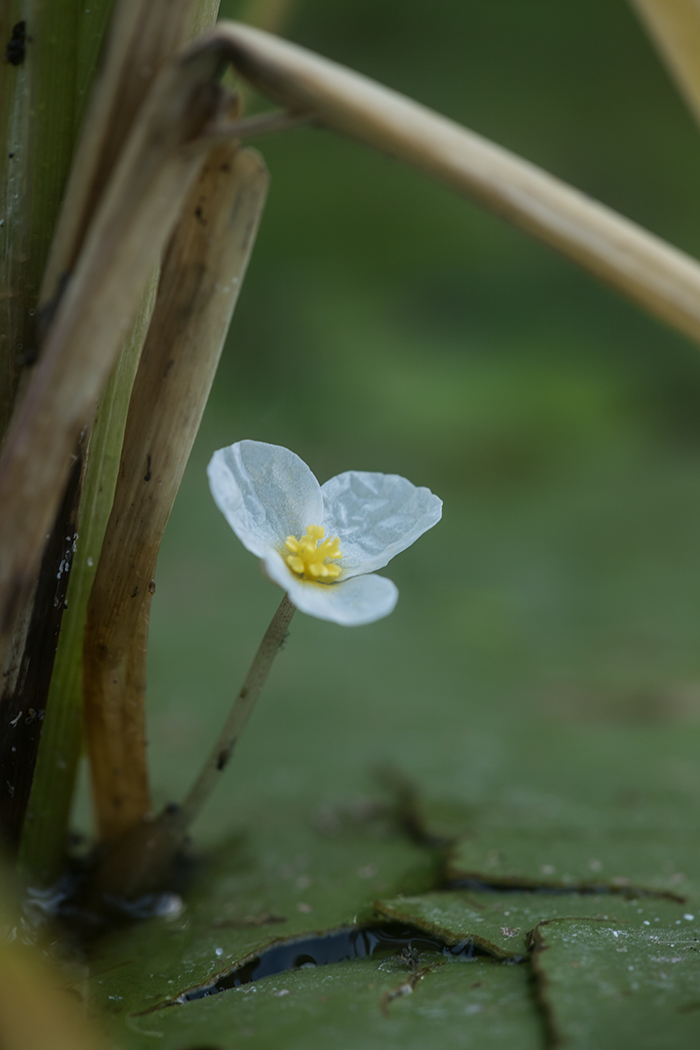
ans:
(386, 324)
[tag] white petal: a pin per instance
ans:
(376, 517)
(265, 492)
(361, 599)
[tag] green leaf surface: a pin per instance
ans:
(365, 1004)
(281, 878)
(627, 861)
(609, 984)
(500, 923)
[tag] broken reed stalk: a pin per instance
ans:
(42, 846)
(658, 277)
(674, 26)
(157, 167)
(202, 272)
(143, 35)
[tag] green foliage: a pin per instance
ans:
(639, 983)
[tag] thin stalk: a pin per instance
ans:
(42, 846)
(674, 26)
(240, 713)
(141, 860)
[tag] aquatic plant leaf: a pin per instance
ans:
(283, 879)
(610, 984)
(353, 1004)
(500, 923)
(661, 862)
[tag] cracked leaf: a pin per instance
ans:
(659, 862)
(609, 985)
(490, 917)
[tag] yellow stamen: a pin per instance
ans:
(308, 555)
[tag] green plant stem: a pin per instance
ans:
(37, 134)
(240, 713)
(43, 840)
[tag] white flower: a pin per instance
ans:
(321, 543)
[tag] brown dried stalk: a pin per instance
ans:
(674, 26)
(201, 275)
(143, 35)
(156, 170)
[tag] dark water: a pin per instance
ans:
(347, 943)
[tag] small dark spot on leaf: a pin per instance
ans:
(147, 475)
(10, 155)
(134, 592)
(244, 693)
(225, 167)
(15, 50)
(222, 760)
(199, 215)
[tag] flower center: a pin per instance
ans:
(308, 555)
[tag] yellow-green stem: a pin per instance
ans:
(43, 839)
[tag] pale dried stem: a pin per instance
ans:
(674, 26)
(132, 224)
(660, 278)
(201, 275)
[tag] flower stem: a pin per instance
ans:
(240, 713)
(141, 860)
